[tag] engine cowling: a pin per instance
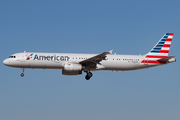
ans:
(72, 69)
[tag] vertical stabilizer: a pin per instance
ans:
(160, 50)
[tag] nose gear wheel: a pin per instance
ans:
(22, 74)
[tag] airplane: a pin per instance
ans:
(75, 64)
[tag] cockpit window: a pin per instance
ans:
(12, 56)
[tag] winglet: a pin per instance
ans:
(110, 51)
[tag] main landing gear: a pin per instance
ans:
(89, 75)
(22, 74)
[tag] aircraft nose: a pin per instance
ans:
(6, 62)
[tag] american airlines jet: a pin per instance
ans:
(74, 64)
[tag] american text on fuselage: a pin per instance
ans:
(55, 58)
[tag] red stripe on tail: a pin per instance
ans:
(171, 34)
(166, 45)
(164, 51)
(155, 56)
(168, 39)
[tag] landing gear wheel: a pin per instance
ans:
(22, 74)
(88, 76)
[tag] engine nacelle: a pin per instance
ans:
(72, 69)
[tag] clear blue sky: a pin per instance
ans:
(89, 26)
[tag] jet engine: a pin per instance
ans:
(72, 69)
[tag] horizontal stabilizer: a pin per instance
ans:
(165, 59)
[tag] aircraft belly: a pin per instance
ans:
(46, 64)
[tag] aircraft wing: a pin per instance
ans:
(166, 59)
(96, 59)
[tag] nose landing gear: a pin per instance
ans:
(22, 74)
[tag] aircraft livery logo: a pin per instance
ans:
(29, 57)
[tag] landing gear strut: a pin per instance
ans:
(22, 74)
(89, 75)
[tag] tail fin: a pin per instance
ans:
(159, 53)
(161, 49)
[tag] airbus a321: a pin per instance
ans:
(75, 64)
